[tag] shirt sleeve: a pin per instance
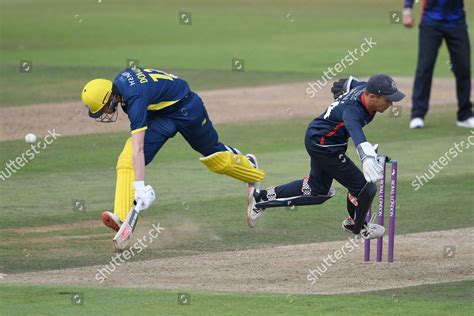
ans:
(137, 114)
(408, 4)
(353, 123)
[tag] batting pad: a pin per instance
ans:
(124, 192)
(235, 166)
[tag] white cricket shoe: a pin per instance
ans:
(469, 123)
(372, 231)
(254, 162)
(253, 213)
(417, 122)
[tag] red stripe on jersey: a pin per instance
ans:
(338, 126)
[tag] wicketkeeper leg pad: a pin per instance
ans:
(124, 192)
(234, 165)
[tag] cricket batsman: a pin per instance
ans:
(355, 106)
(158, 105)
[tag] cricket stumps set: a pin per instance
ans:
(381, 213)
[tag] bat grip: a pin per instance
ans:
(138, 205)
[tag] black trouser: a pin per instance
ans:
(328, 163)
(457, 40)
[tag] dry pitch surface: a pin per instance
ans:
(420, 259)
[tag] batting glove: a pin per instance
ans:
(144, 193)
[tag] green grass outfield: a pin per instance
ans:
(82, 168)
(441, 299)
(71, 41)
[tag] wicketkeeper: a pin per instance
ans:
(159, 105)
(355, 106)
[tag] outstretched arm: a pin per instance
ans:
(354, 126)
(372, 170)
(138, 140)
(137, 113)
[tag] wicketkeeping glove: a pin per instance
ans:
(342, 86)
(373, 171)
(337, 88)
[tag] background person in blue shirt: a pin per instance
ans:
(159, 105)
(441, 19)
(355, 106)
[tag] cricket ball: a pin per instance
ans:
(30, 138)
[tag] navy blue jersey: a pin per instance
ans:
(445, 13)
(344, 118)
(146, 91)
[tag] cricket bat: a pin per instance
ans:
(124, 235)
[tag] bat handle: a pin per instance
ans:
(138, 205)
